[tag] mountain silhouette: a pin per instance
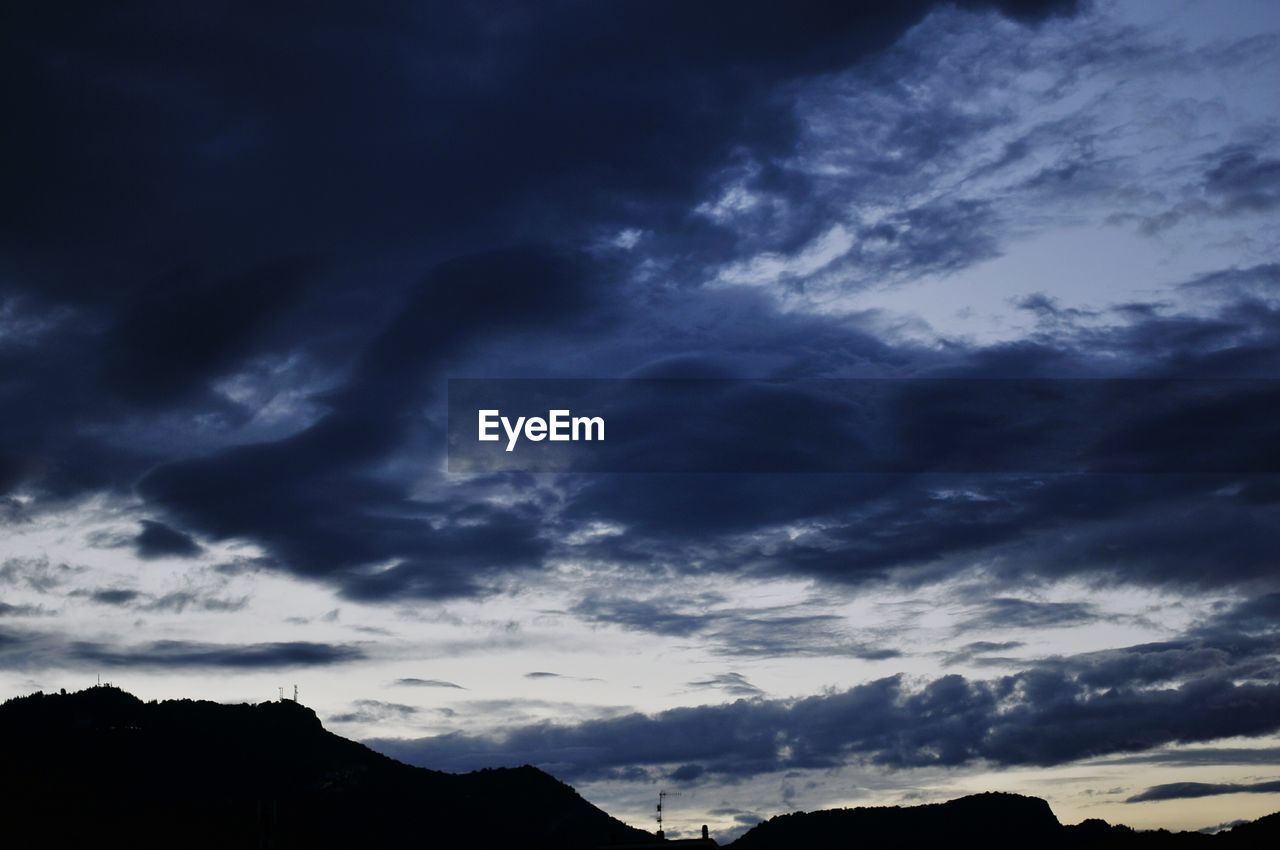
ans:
(102, 767)
(992, 821)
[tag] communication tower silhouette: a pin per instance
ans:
(662, 796)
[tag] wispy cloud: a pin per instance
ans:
(1190, 790)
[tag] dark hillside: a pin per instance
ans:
(100, 765)
(989, 821)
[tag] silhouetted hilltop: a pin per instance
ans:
(1002, 820)
(102, 766)
(991, 821)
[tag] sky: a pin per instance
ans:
(244, 249)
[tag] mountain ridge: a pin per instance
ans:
(992, 820)
(202, 774)
(194, 773)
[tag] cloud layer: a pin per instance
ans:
(245, 252)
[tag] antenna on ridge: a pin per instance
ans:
(295, 693)
(662, 796)
(282, 693)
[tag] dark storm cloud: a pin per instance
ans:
(177, 334)
(313, 500)
(8, 610)
(643, 615)
(1249, 285)
(194, 220)
(1048, 308)
(408, 128)
(1245, 659)
(180, 600)
(398, 134)
(981, 652)
(38, 574)
(779, 631)
(1257, 614)
(1244, 181)
(1052, 713)
(1236, 643)
(1010, 613)
(36, 650)
(177, 654)
(114, 596)
(1175, 530)
(951, 721)
(932, 239)
(243, 250)
(157, 540)
(795, 636)
(687, 772)
(174, 602)
(1189, 790)
(1157, 530)
(1201, 756)
(1188, 530)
